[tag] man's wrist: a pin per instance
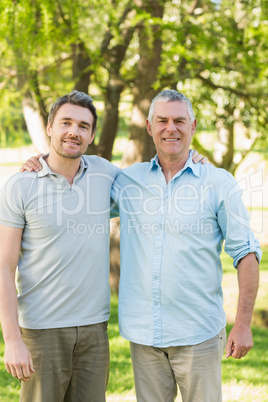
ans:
(12, 336)
(243, 324)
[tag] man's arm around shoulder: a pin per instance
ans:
(18, 359)
(240, 339)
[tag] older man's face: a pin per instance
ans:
(171, 129)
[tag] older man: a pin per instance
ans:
(174, 217)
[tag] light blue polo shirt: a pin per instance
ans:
(63, 270)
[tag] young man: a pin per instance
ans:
(174, 217)
(55, 226)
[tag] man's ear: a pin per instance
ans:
(92, 138)
(193, 127)
(49, 129)
(149, 127)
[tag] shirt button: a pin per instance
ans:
(156, 303)
(157, 251)
(162, 179)
(155, 277)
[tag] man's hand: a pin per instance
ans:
(199, 158)
(18, 360)
(239, 342)
(32, 164)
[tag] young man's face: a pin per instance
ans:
(71, 131)
(171, 129)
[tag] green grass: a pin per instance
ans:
(121, 377)
(243, 380)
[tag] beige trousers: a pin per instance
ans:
(71, 364)
(195, 369)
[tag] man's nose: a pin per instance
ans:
(171, 126)
(73, 130)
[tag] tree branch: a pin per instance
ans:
(196, 145)
(225, 88)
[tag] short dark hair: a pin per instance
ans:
(74, 98)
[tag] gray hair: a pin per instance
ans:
(170, 95)
(74, 98)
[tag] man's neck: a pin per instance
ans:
(66, 167)
(171, 166)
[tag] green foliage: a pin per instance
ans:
(13, 132)
(214, 51)
(216, 54)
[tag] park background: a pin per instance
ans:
(123, 53)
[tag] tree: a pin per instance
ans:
(223, 73)
(213, 51)
(113, 51)
(207, 47)
(150, 48)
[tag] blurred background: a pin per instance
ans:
(123, 53)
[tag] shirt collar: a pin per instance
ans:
(190, 165)
(46, 169)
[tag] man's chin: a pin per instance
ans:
(69, 155)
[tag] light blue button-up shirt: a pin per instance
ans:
(171, 240)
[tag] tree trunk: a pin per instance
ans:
(81, 76)
(113, 59)
(110, 118)
(33, 107)
(35, 123)
(224, 151)
(114, 255)
(226, 137)
(141, 148)
(81, 67)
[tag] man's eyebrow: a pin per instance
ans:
(69, 119)
(175, 118)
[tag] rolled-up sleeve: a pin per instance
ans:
(234, 221)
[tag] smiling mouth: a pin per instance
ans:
(171, 139)
(71, 142)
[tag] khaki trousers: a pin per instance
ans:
(195, 369)
(71, 364)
